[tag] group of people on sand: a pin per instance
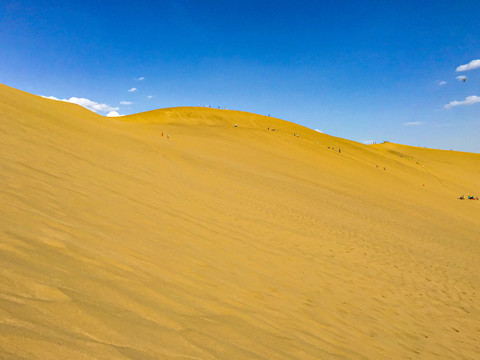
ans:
(210, 106)
(469, 197)
(339, 151)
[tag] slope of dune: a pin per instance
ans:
(224, 242)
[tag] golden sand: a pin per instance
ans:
(226, 242)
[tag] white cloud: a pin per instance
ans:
(470, 66)
(91, 105)
(133, 89)
(413, 123)
(469, 100)
(320, 131)
(461, 78)
(141, 78)
(86, 103)
(150, 96)
(126, 102)
(113, 114)
(51, 98)
(368, 142)
(441, 83)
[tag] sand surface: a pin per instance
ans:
(226, 242)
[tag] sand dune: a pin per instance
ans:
(226, 242)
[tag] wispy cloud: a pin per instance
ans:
(86, 103)
(368, 142)
(141, 78)
(150, 96)
(133, 89)
(441, 83)
(413, 123)
(126, 102)
(461, 78)
(474, 64)
(320, 131)
(113, 114)
(469, 100)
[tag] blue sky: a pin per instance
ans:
(366, 71)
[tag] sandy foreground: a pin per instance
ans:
(226, 242)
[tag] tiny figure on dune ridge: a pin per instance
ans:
(469, 197)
